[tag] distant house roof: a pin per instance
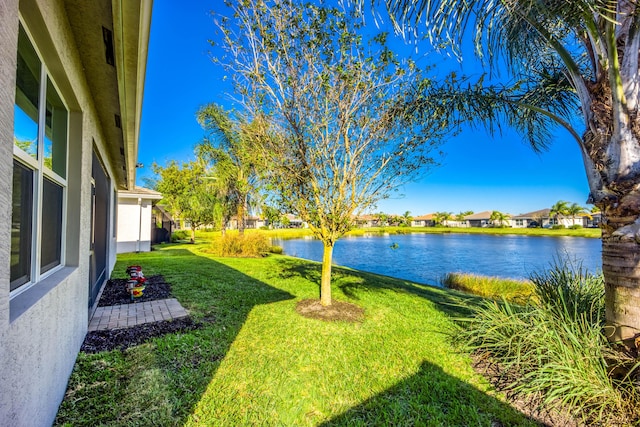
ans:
(366, 217)
(140, 192)
(479, 215)
(426, 217)
(542, 213)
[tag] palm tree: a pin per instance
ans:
(499, 217)
(560, 208)
(226, 150)
(407, 218)
(575, 210)
(564, 56)
(382, 219)
(460, 217)
(443, 218)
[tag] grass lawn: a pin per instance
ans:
(257, 362)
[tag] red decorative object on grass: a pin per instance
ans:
(137, 281)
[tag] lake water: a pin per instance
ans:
(425, 258)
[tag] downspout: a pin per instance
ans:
(139, 224)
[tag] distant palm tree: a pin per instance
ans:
(575, 210)
(499, 217)
(443, 218)
(560, 208)
(382, 219)
(460, 217)
(395, 220)
(407, 218)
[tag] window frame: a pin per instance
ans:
(40, 173)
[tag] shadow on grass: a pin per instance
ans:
(431, 397)
(160, 383)
(351, 282)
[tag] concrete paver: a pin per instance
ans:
(127, 315)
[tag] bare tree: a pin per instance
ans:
(327, 105)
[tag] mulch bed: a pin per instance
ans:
(115, 293)
(110, 339)
(531, 406)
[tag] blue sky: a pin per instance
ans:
(478, 172)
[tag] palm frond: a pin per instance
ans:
(533, 109)
(513, 29)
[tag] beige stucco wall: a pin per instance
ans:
(8, 43)
(42, 329)
(134, 224)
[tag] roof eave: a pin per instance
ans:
(131, 26)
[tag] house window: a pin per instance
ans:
(39, 171)
(520, 222)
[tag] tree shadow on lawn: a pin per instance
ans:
(431, 397)
(352, 282)
(182, 364)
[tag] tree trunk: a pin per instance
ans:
(240, 214)
(621, 268)
(613, 173)
(325, 282)
(193, 234)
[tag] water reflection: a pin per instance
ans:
(425, 258)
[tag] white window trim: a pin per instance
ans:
(40, 171)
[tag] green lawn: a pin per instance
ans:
(257, 362)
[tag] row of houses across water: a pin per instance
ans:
(540, 218)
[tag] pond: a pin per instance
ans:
(426, 258)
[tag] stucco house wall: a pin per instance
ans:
(43, 326)
(135, 220)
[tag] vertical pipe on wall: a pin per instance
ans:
(139, 224)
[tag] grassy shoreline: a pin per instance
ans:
(255, 361)
(301, 233)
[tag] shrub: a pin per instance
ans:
(570, 289)
(179, 235)
(234, 245)
(558, 227)
(575, 227)
(555, 346)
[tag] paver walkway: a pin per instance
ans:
(127, 315)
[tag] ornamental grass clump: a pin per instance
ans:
(236, 245)
(512, 290)
(553, 348)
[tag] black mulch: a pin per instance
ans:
(114, 293)
(107, 340)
